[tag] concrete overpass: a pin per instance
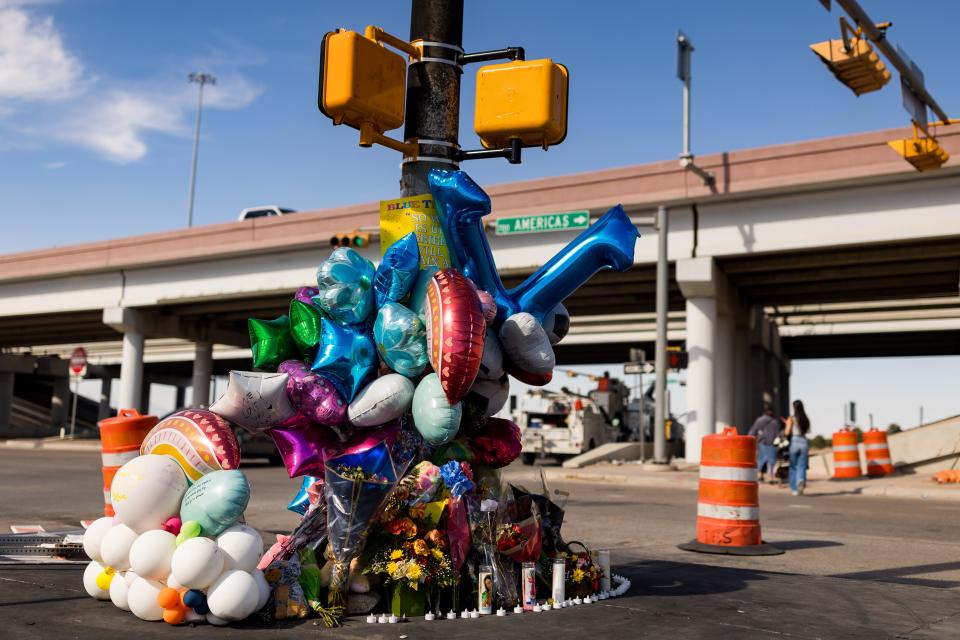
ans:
(826, 248)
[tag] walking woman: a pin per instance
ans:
(798, 426)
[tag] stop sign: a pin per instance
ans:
(78, 360)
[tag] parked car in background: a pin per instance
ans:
(266, 211)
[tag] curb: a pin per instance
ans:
(51, 445)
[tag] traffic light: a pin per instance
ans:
(524, 100)
(923, 153)
(356, 239)
(853, 61)
(677, 359)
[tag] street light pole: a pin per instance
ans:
(201, 79)
(660, 359)
(433, 91)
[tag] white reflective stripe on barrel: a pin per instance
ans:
(873, 447)
(874, 462)
(118, 459)
(737, 474)
(846, 463)
(724, 512)
(106, 497)
(845, 447)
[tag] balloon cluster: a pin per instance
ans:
(177, 549)
(372, 351)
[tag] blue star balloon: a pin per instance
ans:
(301, 501)
(346, 357)
(401, 339)
(398, 270)
(462, 204)
(345, 280)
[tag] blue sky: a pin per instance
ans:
(96, 114)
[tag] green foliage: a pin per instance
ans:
(819, 442)
(893, 428)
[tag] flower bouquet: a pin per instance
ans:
(583, 574)
(356, 486)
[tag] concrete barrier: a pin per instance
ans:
(610, 451)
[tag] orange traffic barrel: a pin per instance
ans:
(728, 509)
(846, 457)
(120, 440)
(878, 453)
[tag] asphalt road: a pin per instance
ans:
(854, 566)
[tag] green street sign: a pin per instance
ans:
(543, 222)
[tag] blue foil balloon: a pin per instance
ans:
(346, 357)
(216, 501)
(301, 501)
(345, 280)
(462, 204)
(418, 294)
(401, 339)
(397, 271)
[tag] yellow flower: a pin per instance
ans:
(414, 572)
(578, 575)
(396, 554)
(420, 548)
(392, 568)
(438, 554)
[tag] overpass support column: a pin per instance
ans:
(6, 401)
(701, 282)
(741, 365)
(130, 322)
(202, 370)
(726, 387)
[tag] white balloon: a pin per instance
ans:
(263, 586)
(242, 547)
(193, 616)
(215, 621)
(93, 536)
(233, 596)
(130, 577)
(172, 582)
(385, 399)
(142, 599)
(527, 344)
(151, 553)
(148, 490)
(115, 547)
(491, 363)
(118, 591)
(557, 323)
(196, 563)
(90, 581)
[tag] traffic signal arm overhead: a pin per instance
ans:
(853, 61)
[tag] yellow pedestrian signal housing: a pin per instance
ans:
(361, 82)
(922, 152)
(853, 61)
(522, 99)
(356, 239)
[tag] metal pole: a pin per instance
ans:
(642, 418)
(433, 91)
(660, 361)
(73, 414)
(201, 79)
(686, 155)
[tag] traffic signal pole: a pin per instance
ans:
(660, 360)
(433, 91)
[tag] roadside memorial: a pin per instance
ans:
(380, 387)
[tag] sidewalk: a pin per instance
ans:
(53, 443)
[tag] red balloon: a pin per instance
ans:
(455, 332)
(498, 444)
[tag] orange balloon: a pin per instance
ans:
(174, 616)
(168, 598)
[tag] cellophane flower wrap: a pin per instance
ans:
(356, 484)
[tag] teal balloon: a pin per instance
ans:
(345, 281)
(401, 339)
(418, 294)
(216, 501)
(434, 417)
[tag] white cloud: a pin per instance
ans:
(34, 64)
(111, 118)
(59, 164)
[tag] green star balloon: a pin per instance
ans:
(305, 325)
(271, 342)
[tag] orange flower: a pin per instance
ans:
(420, 548)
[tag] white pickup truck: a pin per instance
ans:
(569, 426)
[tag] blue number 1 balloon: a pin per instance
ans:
(462, 204)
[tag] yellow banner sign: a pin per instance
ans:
(416, 213)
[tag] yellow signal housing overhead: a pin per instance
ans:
(362, 83)
(923, 153)
(522, 99)
(353, 239)
(854, 62)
